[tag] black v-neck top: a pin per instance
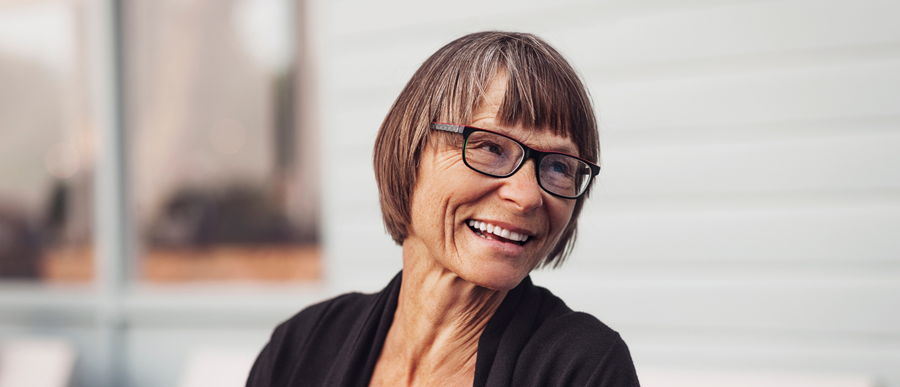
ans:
(533, 339)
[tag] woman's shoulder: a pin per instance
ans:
(574, 348)
(560, 321)
(579, 336)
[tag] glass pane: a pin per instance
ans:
(220, 187)
(46, 143)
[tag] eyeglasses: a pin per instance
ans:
(497, 155)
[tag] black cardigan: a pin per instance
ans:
(533, 339)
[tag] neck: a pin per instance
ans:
(437, 304)
(436, 328)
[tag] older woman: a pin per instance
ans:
(483, 164)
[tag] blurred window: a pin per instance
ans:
(46, 143)
(220, 175)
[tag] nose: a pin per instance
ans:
(522, 189)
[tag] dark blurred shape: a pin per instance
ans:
(57, 213)
(19, 246)
(235, 215)
(284, 123)
(35, 246)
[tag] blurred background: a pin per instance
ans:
(178, 176)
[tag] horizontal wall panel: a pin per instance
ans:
(864, 162)
(392, 68)
(625, 137)
(730, 29)
(866, 90)
(853, 234)
(353, 18)
(653, 26)
(780, 354)
(815, 307)
(727, 364)
(354, 189)
(361, 256)
(724, 65)
(354, 134)
(708, 37)
(386, 67)
(751, 378)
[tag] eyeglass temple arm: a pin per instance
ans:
(447, 127)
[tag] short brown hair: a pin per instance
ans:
(542, 92)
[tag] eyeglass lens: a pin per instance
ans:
(500, 156)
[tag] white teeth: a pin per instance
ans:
(496, 230)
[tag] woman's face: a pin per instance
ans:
(449, 197)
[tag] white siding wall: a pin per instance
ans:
(747, 215)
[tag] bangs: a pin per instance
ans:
(545, 94)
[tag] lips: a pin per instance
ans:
(490, 231)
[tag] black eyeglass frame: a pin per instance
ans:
(537, 155)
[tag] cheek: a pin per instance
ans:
(431, 201)
(424, 211)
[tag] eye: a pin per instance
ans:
(494, 148)
(558, 168)
(488, 146)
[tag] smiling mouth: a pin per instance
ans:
(489, 231)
